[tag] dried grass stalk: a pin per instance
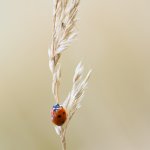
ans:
(64, 31)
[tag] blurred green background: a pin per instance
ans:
(114, 40)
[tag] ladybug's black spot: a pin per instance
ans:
(64, 113)
(59, 116)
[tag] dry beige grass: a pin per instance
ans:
(64, 31)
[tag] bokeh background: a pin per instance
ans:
(114, 40)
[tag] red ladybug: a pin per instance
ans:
(58, 115)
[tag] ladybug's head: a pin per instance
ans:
(56, 107)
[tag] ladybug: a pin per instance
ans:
(58, 115)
